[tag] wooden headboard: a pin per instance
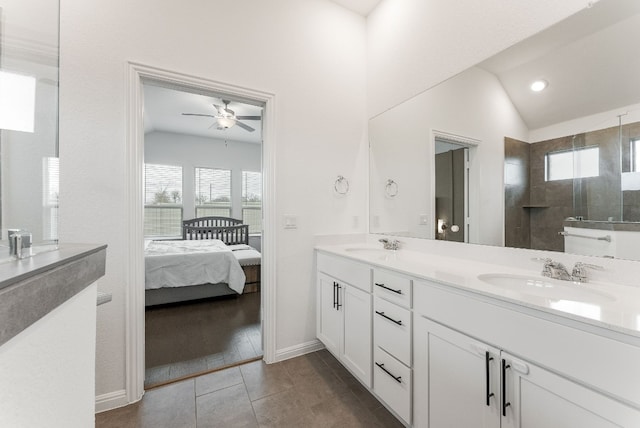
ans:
(229, 230)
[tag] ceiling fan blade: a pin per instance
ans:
(244, 126)
(249, 117)
(196, 114)
(221, 109)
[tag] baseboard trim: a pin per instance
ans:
(297, 350)
(111, 400)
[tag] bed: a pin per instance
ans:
(213, 259)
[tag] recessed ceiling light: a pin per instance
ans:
(539, 85)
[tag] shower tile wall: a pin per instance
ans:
(516, 193)
(554, 198)
(535, 208)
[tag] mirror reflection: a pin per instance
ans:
(553, 168)
(28, 121)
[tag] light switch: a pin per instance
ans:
(290, 222)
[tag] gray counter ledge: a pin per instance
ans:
(31, 288)
(604, 225)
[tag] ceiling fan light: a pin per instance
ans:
(226, 122)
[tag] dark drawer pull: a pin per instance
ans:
(389, 318)
(487, 359)
(397, 379)
(505, 404)
(387, 288)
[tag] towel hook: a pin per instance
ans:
(341, 186)
(391, 188)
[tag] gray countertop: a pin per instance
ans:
(31, 288)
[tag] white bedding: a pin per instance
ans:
(184, 263)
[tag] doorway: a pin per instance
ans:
(135, 325)
(202, 165)
(453, 187)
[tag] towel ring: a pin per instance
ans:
(391, 189)
(341, 186)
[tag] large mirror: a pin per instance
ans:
(553, 169)
(29, 120)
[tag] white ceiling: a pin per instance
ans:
(362, 7)
(163, 110)
(590, 61)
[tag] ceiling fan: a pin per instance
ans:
(226, 118)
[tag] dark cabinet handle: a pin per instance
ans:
(396, 378)
(387, 288)
(334, 294)
(389, 318)
(487, 359)
(338, 296)
(505, 366)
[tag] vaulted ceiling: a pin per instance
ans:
(589, 60)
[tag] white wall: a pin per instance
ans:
(472, 104)
(413, 45)
(191, 152)
(47, 371)
(607, 119)
(313, 55)
(310, 53)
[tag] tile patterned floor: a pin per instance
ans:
(200, 336)
(313, 390)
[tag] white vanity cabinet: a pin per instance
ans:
(392, 376)
(461, 380)
(344, 312)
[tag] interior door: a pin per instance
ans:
(330, 317)
(452, 194)
(462, 380)
(537, 398)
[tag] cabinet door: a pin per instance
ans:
(357, 332)
(537, 398)
(459, 377)
(329, 314)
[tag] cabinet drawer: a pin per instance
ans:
(392, 383)
(392, 286)
(392, 329)
(349, 271)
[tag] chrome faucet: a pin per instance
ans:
(19, 243)
(556, 270)
(390, 245)
(579, 273)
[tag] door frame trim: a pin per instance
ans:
(137, 74)
(472, 203)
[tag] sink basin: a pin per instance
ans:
(547, 287)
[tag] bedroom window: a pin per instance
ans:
(213, 192)
(635, 155)
(252, 200)
(162, 200)
(51, 186)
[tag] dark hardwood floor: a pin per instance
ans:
(190, 338)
